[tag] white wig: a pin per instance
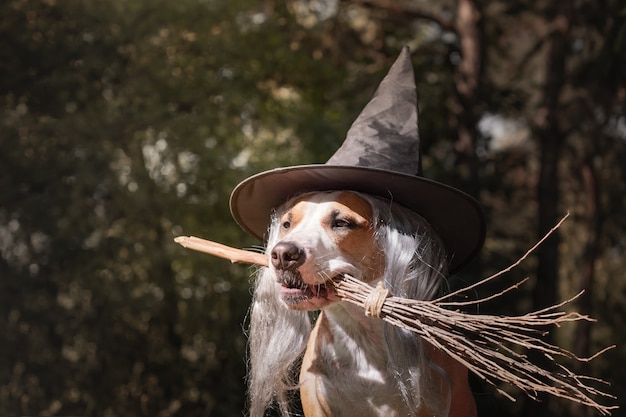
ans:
(415, 267)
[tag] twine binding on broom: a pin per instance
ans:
(375, 300)
(492, 347)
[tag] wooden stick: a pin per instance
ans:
(222, 251)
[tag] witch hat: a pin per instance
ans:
(380, 156)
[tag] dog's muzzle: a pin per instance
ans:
(287, 256)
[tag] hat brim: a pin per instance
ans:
(456, 217)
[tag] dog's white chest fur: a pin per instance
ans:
(346, 359)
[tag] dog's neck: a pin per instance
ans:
(349, 321)
(353, 332)
(346, 358)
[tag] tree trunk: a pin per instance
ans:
(550, 138)
(582, 335)
(468, 26)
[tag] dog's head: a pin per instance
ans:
(320, 236)
(316, 237)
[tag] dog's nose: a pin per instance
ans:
(287, 255)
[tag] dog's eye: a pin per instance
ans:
(341, 223)
(286, 224)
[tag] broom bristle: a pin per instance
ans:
(486, 344)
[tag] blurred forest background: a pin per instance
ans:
(125, 123)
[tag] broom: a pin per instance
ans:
(492, 347)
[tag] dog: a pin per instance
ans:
(349, 364)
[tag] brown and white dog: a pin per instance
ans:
(350, 364)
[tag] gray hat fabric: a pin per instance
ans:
(380, 156)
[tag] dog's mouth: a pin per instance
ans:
(298, 295)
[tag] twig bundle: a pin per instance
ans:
(493, 347)
(485, 344)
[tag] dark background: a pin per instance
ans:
(126, 123)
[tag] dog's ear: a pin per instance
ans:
(415, 258)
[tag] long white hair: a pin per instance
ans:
(415, 267)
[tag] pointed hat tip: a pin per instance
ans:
(385, 135)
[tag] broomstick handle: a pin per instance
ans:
(223, 251)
